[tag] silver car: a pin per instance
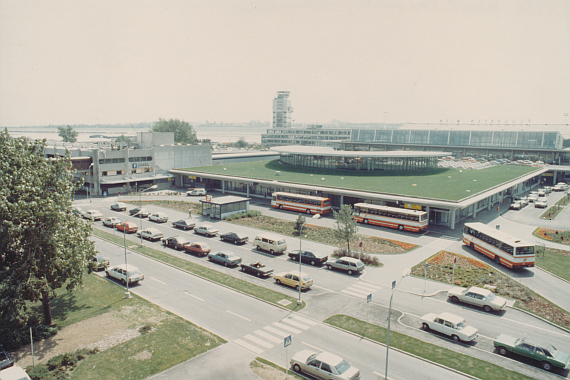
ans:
(111, 221)
(348, 264)
(206, 230)
(119, 272)
(324, 365)
(477, 296)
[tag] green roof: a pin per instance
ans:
(443, 183)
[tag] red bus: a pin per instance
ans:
(303, 203)
(401, 218)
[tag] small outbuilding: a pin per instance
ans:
(221, 207)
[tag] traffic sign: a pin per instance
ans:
(369, 298)
(287, 341)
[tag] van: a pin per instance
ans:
(272, 244)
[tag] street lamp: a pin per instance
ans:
(316, 216)
(405, 273)
(140, 203)
(90, 181)
(128, 294)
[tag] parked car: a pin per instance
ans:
(542, 203)
(142, 212)
(477, 296)
(558, 188)
(78, 211)
(546, 354)
(119, 206)
(151, 233)
(196, 192)
(523, 201)
(206, 230)
(176, 242)
(111, 221)
(450, 325)
(349, 264)
(542, 193)
(257, 268)
(158, 217)
(227, 258)
(323, 365)
(308, 257)
(101, 262)
(198, 248)
(270, 243)
(234, 237)
(516, 205)
(532, 198)
(292, 279)
(92, 215)
(119, 272)
(184, 224)
(547, 189)
(127, 227)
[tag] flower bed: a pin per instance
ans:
(557, 236)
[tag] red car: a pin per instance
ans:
(198, 248)
(128, 227)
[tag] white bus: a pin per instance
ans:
(299, 202)
(499, 246)
(401, 218)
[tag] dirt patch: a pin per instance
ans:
(269, 373)
(143, 355)
(103, 331)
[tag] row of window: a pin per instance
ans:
(302, 200)
(122, 160)
(121, 172)
(387, 214)
(529, 250)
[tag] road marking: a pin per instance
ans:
(296, 324)
(277, 332)
(237, 315)
(307, 321)
(192, 295)
(320, 287)
(267, 336)
(313, 347)
(357, 295)
(152, 278)
(381, 374)
(248, 346)
(365, 285)
(287, 328)
(359, 291)
(258, 341)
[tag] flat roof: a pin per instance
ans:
(331, 152)
(226, 200)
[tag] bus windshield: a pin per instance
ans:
(525, 250)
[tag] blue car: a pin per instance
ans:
(227, 258)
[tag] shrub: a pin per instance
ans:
(145, 329)
(365, 258)
(15, 336)
(241, 215)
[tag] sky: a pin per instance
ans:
(130, 61)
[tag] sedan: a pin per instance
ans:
(227, 258)
(101, 262)
(119, 272)
(309, 257)
(119, 206)
(479, 297)
(348, 264)
(151, 234)
(158, 217)
(324, 365)
(176, 242)
(516, 205)
(127, 227)
(111, 222)
(292, 279)
(542, 203)
(206, 230)
(450, 325)
(92, 215)
(532, 198)
(196, 192)
(233, 237)
(198, 248)
(184, 224)
(142, 212)
(546, 354)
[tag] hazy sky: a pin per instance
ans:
(122, 61)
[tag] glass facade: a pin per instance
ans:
(360, 163)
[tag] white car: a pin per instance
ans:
(324, 365)
(151, 234)
(196, 192)
(206, 230)
(92, 215)
(120, 273)
(450, 325)
(516, 205)
(158, 217)
(111, 222)
(523, 201)
(542, 203)
(532, 197)
(477, 296)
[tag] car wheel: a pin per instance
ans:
(487, 308)
(497, 259)
(455, 338)
(123, 282)
(278, 282)
(454, 299)
(258, 274)
(294, 258)
(313, 262)
(235, 242)
(225, 264)
(400, 228)
(546, 366)
(297, 287)
(425, 326)
(472, 246)
(258, 248)
(280, 207)
(296, 368)
(503, 351)
(329, 267)
(272, 251)
(221, 238)
(107, 274)
(210, 258)
(349, 271)
(365, 221)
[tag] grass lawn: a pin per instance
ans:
(445, 184)
(556, 236)
(267, 370)
(221, 278)
(464, 363)
(554, 261)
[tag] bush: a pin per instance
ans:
(145, 329)
(58, 366)
(16, 336)
(241, 215)
(365, 258)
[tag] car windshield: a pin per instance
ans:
(552, 350)
(281, 242)
(491, 296)
(342, 367)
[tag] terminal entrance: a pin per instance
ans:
(439, 217)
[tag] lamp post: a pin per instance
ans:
(140, 203)
(90, 181)
(405, 273)
(316, 216)
(128, 294)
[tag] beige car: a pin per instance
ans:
(477, 296)
(292, 279)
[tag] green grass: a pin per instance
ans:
(564, 201)
(552, 212)
(276, 370)
(445, 184)
(213, 275)
(464, 363)
(556, 236)
(553, 262)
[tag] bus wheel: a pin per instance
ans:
(497, 259)
(472, 246)
(400, 228)
(308, 212)
(365, 221)
(280, 207)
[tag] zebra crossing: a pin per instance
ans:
(361, 289)
(267, 337)
(441, 243)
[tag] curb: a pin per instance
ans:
(553, 275)
(542, 319)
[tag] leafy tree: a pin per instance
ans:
(123, 138)
(67, 134)
(299, 224)
(43, 246)
(345, 225)
(241, 143)
(183, 132)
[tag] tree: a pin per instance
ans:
(299, 224)
(123, 138)
(67, 134)
(345, 225)
(241, 143)
(43, 246)
(183, 132)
